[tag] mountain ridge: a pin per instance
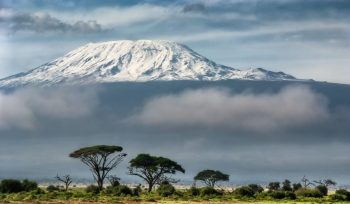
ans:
(138, 61)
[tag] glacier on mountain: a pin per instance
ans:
(139, 61)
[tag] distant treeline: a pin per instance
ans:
(156, 172)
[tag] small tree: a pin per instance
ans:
(296, 186)
(152, 169)
(256, 188)
(326, 182)
(273, 186)
(114, 180)
(66, 180)
(306, 182)
(286, 185)
(101, 159)
(210, 177)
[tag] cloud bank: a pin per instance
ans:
(253, 130)
(41, 22)
(25, 108)
(292, 107)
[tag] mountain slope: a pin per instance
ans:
(142, 60)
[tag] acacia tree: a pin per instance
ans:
(306, 182)
(210, 177)
(66, 179)
(153, 169)
(326, 182)
(101, 159)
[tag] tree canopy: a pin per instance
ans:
(97, 149)
(101, 159)
(210, 177)
(153, 169)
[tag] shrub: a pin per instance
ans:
(122, 190)
(256, 188)
(92, 189)
(137, 190)
(166, 190)
(308, 192)
(29, 185)
(209, 191)
(323, 189)
(193, 191)
(114, 181)
(296, 186)
(11, 186)
(52, 188)
(341, 195)
(37, 191)
(338, 197)
(290, 195)
(244, 191)
(277, 194)
(274, 186)
(286, 185)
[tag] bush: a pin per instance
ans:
(166, 190)
(92, 189)
(341, 195)
(256, 188)
(11, 186)
(277, 194)
(308, 192)
(114, 181)
(274, 186)
(286, 185)
(29, 185)
(290, 195)
(137, 190)
(52, 188)
(209, 191)
(193, 191)
(338, 197)
(323, 189)
(122, 190)
(296, 186)
(244, 191)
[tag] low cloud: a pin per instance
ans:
(41, 22)
(291, 108)
(196, 7)
(25, 108)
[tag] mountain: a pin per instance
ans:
(141, 60)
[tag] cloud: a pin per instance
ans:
(24, 108)
(291, 108)
(196, 7)
(41, 22)
(289, 153)
(119, 16)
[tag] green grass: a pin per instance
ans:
(78, 195)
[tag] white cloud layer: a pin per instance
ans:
(22, 108)
(43, 22)
(292, 107)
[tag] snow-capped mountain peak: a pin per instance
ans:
(141, 60)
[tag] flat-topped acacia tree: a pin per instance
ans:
(210, 177)
(101, 159)
(153, 169)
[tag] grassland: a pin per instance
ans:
(80, 197)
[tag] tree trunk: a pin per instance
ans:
(150, 186)
(100, 184)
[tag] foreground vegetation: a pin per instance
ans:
(28, 191)
(156, 172)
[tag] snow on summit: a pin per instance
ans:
(126, 60)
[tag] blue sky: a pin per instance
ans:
(308, 39)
